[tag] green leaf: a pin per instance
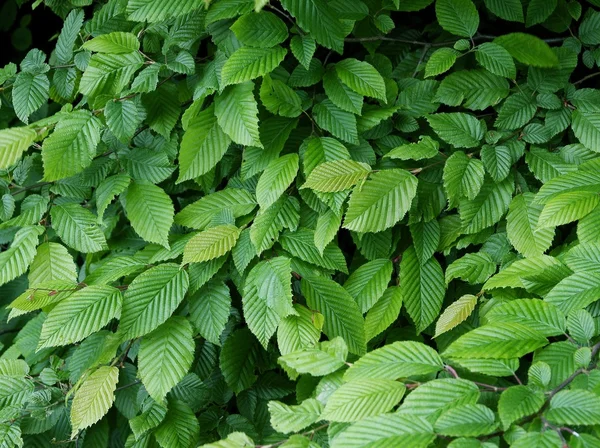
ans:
(79, 315)
(528, 49)
(474, 89)
(15, 260)
(320, 20)
(157, 10)
(276, 178)
(150, 211)
(13, 142)
(180, 428)
(469, 420)
(423, 288)
(384, 313)
(249, 63)
(575, 291)
(165, 356)
(324, 358)
(211, 243)
(456, 313)
(337, 175)
(77, 227)
(338, 122)
(589, 29)
(506, 9)
(280, 99)
(116, 42)
(435, 396)
(517, 402)
(237, 360)
(368, 283)
(108, 189)
(340, 94)
(567, 207)
(361, 77)
(52, 262)
(203, 145)
(303, 48)
(488, 207)
(287, 419)
(425, 148)
(29, 92)
(586, 127)
(458, 129)
(473, 268)
(463, 177)
(209, 310)
(301, 244)
(496, 341)
(342, 315)
(381, 202)
(151, 299)
(497, 161)
(236, 111)
(298, 331)
(260, 29)
(538, 315)
(356, 400)
(496, 59)
(386, 430)
(122, 118)
(394, 361)
(458, 17)
(328, 225)
(68, 36)
(574, 407)
(72, 145)
(109, 74)
(440, 61)
(522, 226)
(539, 10)
(94, 398)
(285, 213)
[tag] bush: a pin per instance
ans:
(304, 223)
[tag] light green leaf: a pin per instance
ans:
(368, 283)
(211, 243)
(122, 118)
(440, 61)
(435, 396)
(165, 356)
(423, 288)
(342, 315)
(157, 10)
(94, 398)
(328, 225)
(340, 94)
(209, 310)
(248, 63)
(394, 361)
(497, 161)
(575, 291)
(13, 142)
(279, 99)
(109, 74)
(586, 127)
(151, 298)
(496, 341)
(108, 189)
(468, 420)
(474, 89)
(473, 268)
(496, 59)
(324, 358)
(236, 111)
(381, 202)
(574, 407)
(338, 122)
(303, 48)
(77, 227)
(538, 315)
(301, 244)
(458, 17)
(522, 226)
(180, 428)
(384, 313)
(567, 207)
(52, 262)
(337, 175)
(425, 148)
(298, 331)
(463, 177)
(29, 92)
(455, 314)
(285, 213)
(68, 36)
(15, 260)
(79, 315)
(287, 419)
(488, 207)
(150, 211)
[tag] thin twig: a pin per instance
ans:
(29, 187)
(423, 53)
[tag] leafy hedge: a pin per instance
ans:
(303, 223)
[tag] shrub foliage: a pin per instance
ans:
(303, 223)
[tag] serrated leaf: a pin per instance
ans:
(52, 262)
(458, 129)
(488, 207)
(151, 298)
(340, 94)
(528, 49)
(539, 10)
(496, 59)
(211, 243)
(29, 92)
(440, 61)
(497, 161)
(458, 17)
(301, 244)
(361, 77)
(77, 227)
(337, 175)
(165, 356)
(209, 310)
(150, 211)
(276, 178)
(237, 359)
(340, 123)
(117, 42)
(303, 48)
(260, 29)
(368, 283)
(94, 398)
(469, 420)
(455, 314)
(157, 10)
(522, 226)
(249, 63)
(180, 428)
(342, 316)
(286, 419)
(236, 111)
(538, 315)
(474, 89)
(435, 396)
(423, 288)
(517, 402)
(108, 189)
(574, 407)
(15, 260)
(13, 142)
(473, 268)
(384, 313)
(298, 331)
(496, 341)
(79, 315)
(567, 207)
(108, 74)
(506, 9)
(356, 400)
(463, 177)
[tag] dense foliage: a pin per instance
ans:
(303, 223)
